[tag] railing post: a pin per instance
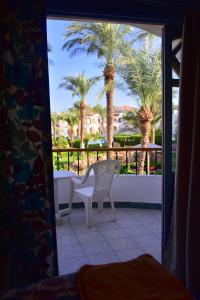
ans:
(88, 158)
(146, 163)
(57, 161)
(126, 162)
(156, 161)
(136, 161)
(116, 155)
(68, 160)
(78, 161)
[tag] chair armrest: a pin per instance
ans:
(84, 179)
(77, 181)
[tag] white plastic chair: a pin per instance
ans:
(104, 172)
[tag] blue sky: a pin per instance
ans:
(63, 65)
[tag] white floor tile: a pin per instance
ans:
(102, 226)
(147, 240)
(123, 244)
(92, 236)
(114, 233)
(147, 219)
(72, 265)
(70, 251)
(128, 221)
(155, 227)
(135, 230)
(83, 228)
(129, 254)
(96, 248)
(102, 258)
(67, 239)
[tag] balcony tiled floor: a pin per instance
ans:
(135, 232)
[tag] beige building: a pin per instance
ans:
(94, 123)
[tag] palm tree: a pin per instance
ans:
(55, 117)
(105, 40)
(156, 109)
(76, 106)
(131, 118)
(142, 74)
(99, 109)
(79, 86)
(72, 118)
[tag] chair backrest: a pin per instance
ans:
(104, 172)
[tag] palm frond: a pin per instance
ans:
(79, 85)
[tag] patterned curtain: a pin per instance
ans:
(27, 222)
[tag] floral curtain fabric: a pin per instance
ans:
(27, 223)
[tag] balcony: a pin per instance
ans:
(138, 207)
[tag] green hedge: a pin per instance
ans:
(131, 140)
(127, 140)
(77, 143)
(60, 142)
(158, 138)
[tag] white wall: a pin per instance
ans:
(125, 188)
(135, 188)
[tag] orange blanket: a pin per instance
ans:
(138, 279)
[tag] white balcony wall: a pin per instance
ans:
(125, 188)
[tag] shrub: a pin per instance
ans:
(135, 139)
(77, 142)
(158, 137)
(60, 142)
(93, 146)
(129, 140)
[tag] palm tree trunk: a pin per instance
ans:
(79, 130)
(102, 125)
(144, 118)
(83, 112)
(72, 136)
(153, 134)
(109, 73)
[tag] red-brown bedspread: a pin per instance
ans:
(138, 279)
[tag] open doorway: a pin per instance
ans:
(138, 198)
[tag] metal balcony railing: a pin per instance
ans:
(78, 160)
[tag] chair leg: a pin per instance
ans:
(100, 205)
(112, 206)
(88, 212)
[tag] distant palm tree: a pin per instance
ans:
(156, 109)
(79, 86)
(76, 106)
(106, 41)
(72, 118)
(131, 118)
(101, 110)
(55, 117)
(142, 73)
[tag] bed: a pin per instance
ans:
(142, 278)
